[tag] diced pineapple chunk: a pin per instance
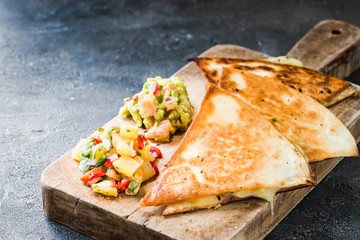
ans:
(113, 157)
(121, 146)
(129, 132)
(147, 170)
(128, 165)
(127, 140)
(76, 152)
(112, 174)
(105, 188)
(137, 176)
(111, 151)
(98, 151)
(145, 152)
(104, 134)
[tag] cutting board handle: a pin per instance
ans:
(331, 47)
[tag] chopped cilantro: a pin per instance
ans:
(100, 129)
(139, 154)
(274, 119)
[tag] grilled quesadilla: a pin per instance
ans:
(306, 122)
(323, 88)
(230, 152)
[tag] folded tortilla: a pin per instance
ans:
(230, 151)
(301, 119)
(323, 88)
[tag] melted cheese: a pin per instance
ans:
(285, 60)
(194, 203)
(215, 201)
(266, 194)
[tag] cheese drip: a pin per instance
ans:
(216, 200)
(266, 194)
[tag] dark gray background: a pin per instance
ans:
(65, 67)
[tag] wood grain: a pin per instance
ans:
(331, 47)
(68, 201)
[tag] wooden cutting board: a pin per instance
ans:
(331, 46)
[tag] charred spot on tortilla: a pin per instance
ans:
(310, 82)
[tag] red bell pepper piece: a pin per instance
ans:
(99, 173)
(113, 182)
(123, 184)
(108, 164)
(140, 141)
(143, 137)
(155, 168)
(126, 100)
(97, 141)
(158, 152)
(156, 88)
(95, 173)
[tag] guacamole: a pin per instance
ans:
(162, 106)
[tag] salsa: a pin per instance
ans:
(116, 160)
(162, 106)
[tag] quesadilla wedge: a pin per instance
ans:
(323, 88)
(230, 152)
(306, 122)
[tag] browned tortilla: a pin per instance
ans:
(230, 147)
(306, 122)
(321, 87)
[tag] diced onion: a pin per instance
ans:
(112, 157)
(92, 162)
(106, 143)
(154, 154)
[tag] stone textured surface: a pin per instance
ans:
(65, 67)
